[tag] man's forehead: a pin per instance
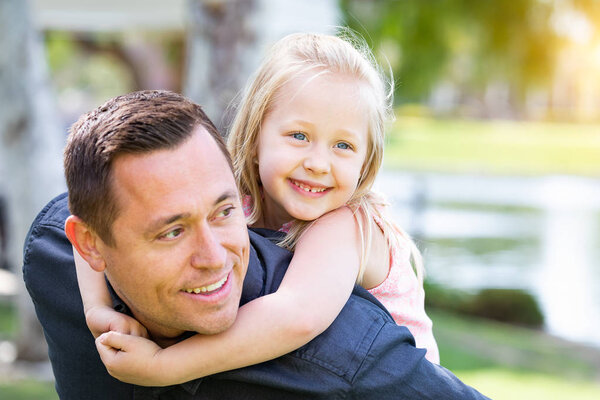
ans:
(199, 146)
(196, 168)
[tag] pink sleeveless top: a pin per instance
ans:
(404, 297)
(400, 293)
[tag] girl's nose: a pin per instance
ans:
(317, 162)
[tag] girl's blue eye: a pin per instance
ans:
(299, 136)
(343, 146)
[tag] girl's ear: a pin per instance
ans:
(85, 242)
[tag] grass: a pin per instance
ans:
(27, 390)
(504, 384)
(507, 362)
(498, 147)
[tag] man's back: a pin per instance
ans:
(364, 354)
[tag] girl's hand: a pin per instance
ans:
(102, 319)
(132, 359)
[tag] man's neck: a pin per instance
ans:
(164, 341)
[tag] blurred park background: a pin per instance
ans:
(492, 163)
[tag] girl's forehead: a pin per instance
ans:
(319, 81)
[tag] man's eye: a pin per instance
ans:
(226, 212)
(173, 234)
(299, 136)
(343, 146)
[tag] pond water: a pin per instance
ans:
(539, 234)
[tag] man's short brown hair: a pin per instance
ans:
(135, 123)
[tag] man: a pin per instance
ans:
(154, 206)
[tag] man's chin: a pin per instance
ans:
(168, 336)
(217, 324)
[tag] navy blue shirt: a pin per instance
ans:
(363, 354)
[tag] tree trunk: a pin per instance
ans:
(30, 151)
(221, 42)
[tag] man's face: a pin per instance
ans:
(182, 246)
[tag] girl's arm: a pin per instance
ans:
(316, 286)
(97, 304)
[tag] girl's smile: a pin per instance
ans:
(309, 188)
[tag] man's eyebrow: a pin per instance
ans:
(160, 222)
(230, 194)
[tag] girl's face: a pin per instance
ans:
(311, 147)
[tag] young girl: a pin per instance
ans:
(306, 145)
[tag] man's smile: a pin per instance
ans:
(209, 289)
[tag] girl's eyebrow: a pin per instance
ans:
(353, 134)
(299, 122)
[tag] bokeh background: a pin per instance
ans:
(492, 162)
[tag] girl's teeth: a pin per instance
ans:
(308, 189)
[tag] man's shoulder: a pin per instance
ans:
(270, 255)
(265, 239)
(347, 344)
(370, 356)
(48, 225)
(54, 213)
(342, 362)
(267, 264)
(46, 246)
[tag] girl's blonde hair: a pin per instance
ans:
(299, 54)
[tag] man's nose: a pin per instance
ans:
(317, 160)
(208, 249)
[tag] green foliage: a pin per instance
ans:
(443, 298)
(8, 320)
(507, 305)
(471, 43)
(60, 49)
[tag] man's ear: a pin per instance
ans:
(85, 242)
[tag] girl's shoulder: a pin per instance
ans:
(341, 214)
